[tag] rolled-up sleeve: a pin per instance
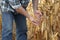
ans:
(15, 4)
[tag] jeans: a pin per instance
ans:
(7, 26)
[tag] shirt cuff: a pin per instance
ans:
(16, 6)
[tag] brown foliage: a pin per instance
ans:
(49, 28)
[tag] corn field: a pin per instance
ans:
(49, 29)
(0, 25)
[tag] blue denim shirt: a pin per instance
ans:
(14, 3)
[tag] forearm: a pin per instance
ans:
(18, 7)
(22, 11)
(35, 4)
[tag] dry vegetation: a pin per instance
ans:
(0, 20)
(0, 23)
(49, 29)
(0, 26)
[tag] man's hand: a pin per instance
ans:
(35, 22)
(37, 14)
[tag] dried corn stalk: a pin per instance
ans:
(49, 29)
(0, 22)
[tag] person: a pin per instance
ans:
(15, 10)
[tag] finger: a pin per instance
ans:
(38, 15)
(35, 22)
(39, 12)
